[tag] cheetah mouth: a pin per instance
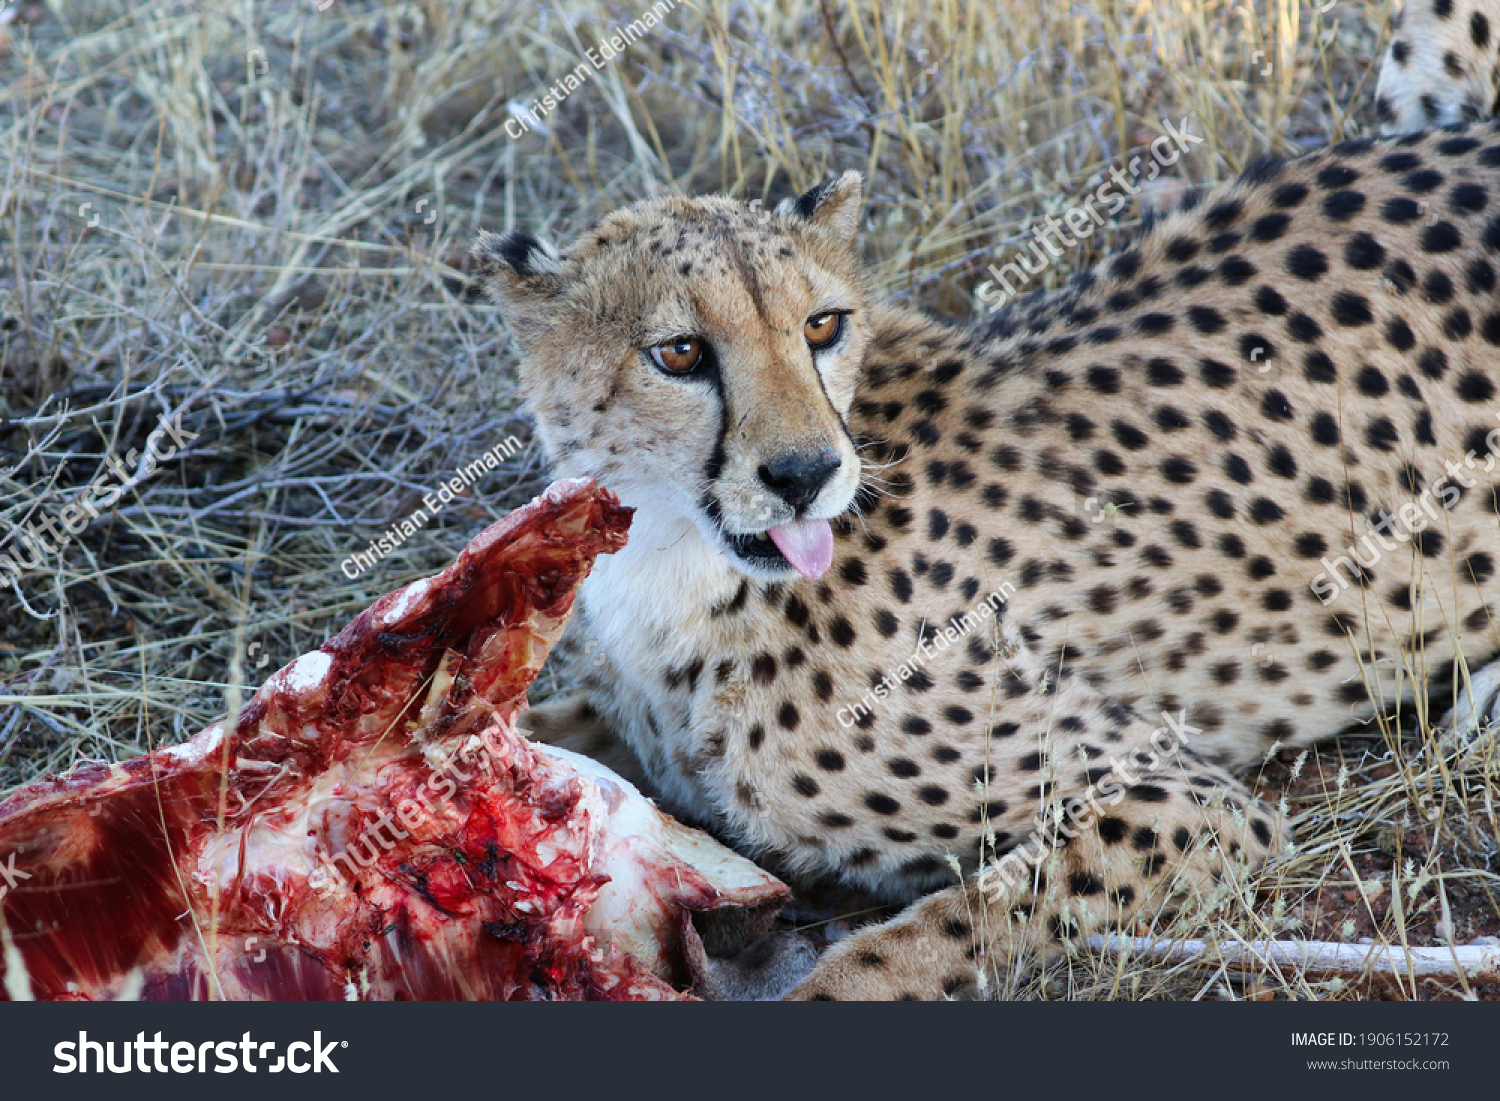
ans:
(759, 548)
(802, 545)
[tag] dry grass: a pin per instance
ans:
(256, 216)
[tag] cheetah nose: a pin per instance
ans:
(798, 477)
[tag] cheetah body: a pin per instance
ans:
(1155, 468)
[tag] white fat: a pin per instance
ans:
(281, 846)
(631, 909)
(634, 816)
(199, 746)
(645, 854)
(586, 765)
(562, 489)
(307, 672)
(404, 601)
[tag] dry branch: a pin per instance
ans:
(1318, 959)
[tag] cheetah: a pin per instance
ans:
(986, 618)
(1442, 66)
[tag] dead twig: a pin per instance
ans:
(1477, 963)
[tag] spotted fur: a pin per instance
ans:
(1442, 66)
(1157, 466)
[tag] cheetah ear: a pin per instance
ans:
(833, 205)
(522, 274)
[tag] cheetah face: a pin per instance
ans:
(699, 358)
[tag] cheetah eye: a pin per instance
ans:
(823, 329)
(677, 356)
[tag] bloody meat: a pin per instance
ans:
(375, 826)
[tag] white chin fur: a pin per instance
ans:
(665, 523)
(713, 543)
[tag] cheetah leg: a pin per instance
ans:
(1473, 723)
(1196, 828)
(569, 722)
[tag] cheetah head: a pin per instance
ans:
(699, 357)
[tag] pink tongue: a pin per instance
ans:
(807, 544)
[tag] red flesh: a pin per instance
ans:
(201, 871)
